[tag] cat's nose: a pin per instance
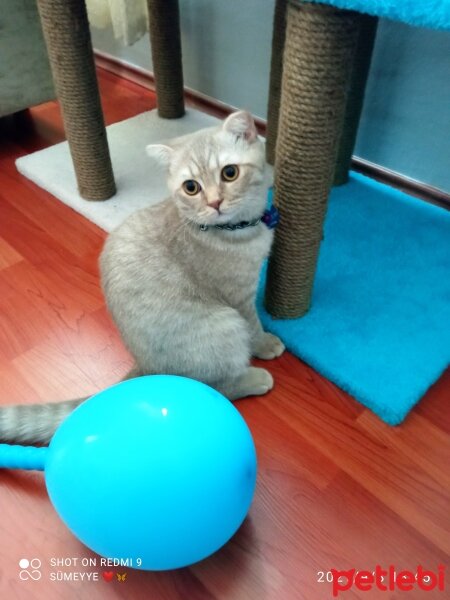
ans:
(216, 204)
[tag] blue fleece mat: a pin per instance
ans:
(379, 326)
(425, 13)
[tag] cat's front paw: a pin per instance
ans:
(268, 346)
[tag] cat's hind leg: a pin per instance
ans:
(229, 345)
(253, 382)
(213, 346)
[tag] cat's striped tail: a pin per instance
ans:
(33, 423)
(30, 424)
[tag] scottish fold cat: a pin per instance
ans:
(180, 277)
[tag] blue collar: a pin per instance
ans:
(270, 218)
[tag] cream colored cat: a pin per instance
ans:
(180, 277)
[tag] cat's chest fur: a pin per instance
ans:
(155, 254)
(228, 264)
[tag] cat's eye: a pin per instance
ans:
(230, 173)
(191, 187)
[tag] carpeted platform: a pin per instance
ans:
(379, 326)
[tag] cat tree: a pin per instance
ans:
(66, 31)
(326, 54)
(320, 60)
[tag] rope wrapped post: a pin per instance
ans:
(320, 43)
(276, 71)
(165, 38)
(67, 36)
(355, 97)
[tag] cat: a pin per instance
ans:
(180, 277)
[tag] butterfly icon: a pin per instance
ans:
(121, 577)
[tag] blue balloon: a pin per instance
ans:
(160, 470)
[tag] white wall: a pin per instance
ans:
(405, 124)
(226, 50)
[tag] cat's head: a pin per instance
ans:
(217, 175)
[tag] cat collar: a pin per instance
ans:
(270, 218)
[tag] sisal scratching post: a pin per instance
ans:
(276, 71)
(355, 97)
(68, 40)
(320, 42)
(165, 40)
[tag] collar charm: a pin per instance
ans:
(271, 217)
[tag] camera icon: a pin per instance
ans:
(30, 569)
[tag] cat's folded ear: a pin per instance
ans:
(242, 125)
(160, 152)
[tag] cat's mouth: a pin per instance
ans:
(218, 215)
